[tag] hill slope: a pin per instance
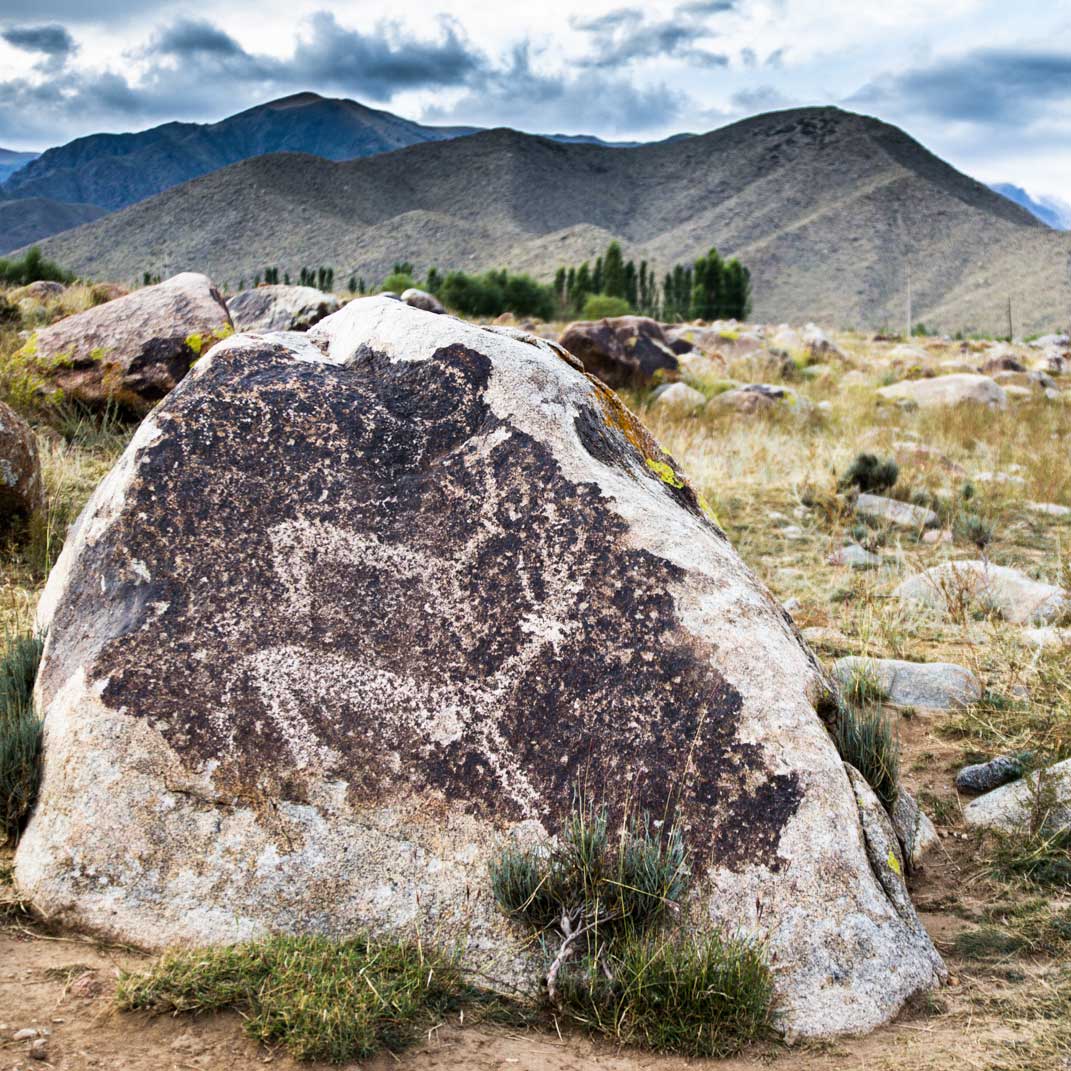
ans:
(116, 170)
(26, 220)
(11, 161)
(830, 210)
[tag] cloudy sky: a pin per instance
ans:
(985, 83)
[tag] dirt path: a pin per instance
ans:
(66, 986)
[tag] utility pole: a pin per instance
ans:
(1011, 329)
(910, 326)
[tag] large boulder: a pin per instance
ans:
(313, 678)
(988, 588)
(755, 398)
(133, 350)
(894, 512)
(957, 389)
(622, 351)
(22, 491)
(280, 307)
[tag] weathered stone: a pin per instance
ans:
(986, 776)
(932, 685)
(41, 290)
(280, 307)
(758, 398)
(1047, 636)
(1051, 509)
(914, 830)
(893, 511)
(678, 398)
(989, 588)
(855, 556)
(1003, 362)
(623, 351)
(887, 860)
(421, 299)
(464, 579)
(956, 389)
(133, 350)
(21, 488)
(1014, 808)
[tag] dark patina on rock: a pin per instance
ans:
(355, 606)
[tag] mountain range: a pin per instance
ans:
(838, 216)
(11, 160)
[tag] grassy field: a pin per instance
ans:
(1002, 922)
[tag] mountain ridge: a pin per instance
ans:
(831, 210)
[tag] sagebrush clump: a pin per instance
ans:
(599, 908)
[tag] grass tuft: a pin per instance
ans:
(867, 741)
(20, 732)
(320, 999)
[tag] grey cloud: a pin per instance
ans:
(622, 16)
(618, 40)
(760, 99)
(705, 7)
(189, 37)
(994, 86)
(53, 40)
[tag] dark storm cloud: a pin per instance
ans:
(53, 40)
(990, 86)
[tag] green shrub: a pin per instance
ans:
(398, 282)
(496, 292)
(20, 732)
(601, 306)
(320, 999)
(31, 268)
(867, 741)
(870, 474)
(597, 905)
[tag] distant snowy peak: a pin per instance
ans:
(1052, 211)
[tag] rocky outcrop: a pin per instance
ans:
(466, 581)
(622, 351)
(956, 389)
(280, 307)
(988, 588)
(22, 491)
(133, 350)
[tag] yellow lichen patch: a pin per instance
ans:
(664, 472)
(195, 343)
(705, 506)
(225, 331)
(894, 863)
(617, 415)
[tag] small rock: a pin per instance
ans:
(1050, 508)
(894, 512)
(1011, 807)
(794, 532)
(39, 1049)
(991, 588)
(956, 389)
(855, 556)
(421, 299)
(914, 829)
(280, 307)
(1047, 636)
(792, 605)
(986, 776)
(758, 398)
(932, 685)
(27, 1033)
(678, 398)
(937, 535)
(831, 638)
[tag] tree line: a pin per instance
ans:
(709, 289)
